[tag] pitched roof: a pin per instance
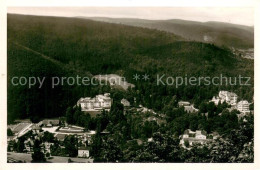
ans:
(60, 136)
(125, 102)
(184, 103)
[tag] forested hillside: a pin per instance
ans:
(85, 47)
(221, 34)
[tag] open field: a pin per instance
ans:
(115, 80)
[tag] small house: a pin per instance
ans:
(83, 152)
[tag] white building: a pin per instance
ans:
(200, 134)
(150, 140)
(225, 96)
(36, 129)
(125, 102)
(28, 145)
(183, 103)
(83, 152)
(229, 97)
(243, 106)
(192, 137)
(216, 100)
(47, 147)
(190, 109)
(97, 103)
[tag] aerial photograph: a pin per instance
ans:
(130, 85)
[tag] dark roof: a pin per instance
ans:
(83, 148)
(186, 132)
(51, 121)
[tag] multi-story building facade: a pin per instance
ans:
(97, 103)
(83, 152)
(192, 137)
(225, 96)
(243, 106)
(229, 97)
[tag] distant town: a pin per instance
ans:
(244, 53)
(53, 133)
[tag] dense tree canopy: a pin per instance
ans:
(69, 47)
(66, 47)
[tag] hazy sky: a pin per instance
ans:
(237, 15)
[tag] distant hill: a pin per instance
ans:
(59, 46)
(219, 33)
